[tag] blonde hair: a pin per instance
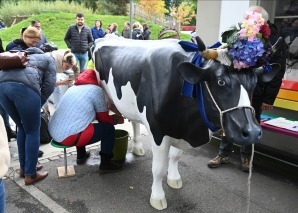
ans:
(261, 10)
(32, 32)
(69, 57)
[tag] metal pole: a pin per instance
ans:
(130, 19)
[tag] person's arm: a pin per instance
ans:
(102, 111)
(49, 79)
(90, 39)
(67, 38)
(271, 89)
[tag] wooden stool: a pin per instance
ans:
(66, 171)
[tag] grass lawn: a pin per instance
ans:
(55, 24)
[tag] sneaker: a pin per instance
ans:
(245, 164)
(215, 162)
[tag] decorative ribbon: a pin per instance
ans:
(195, 90)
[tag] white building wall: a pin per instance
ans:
(214, 17)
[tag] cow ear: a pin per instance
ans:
(189, 72)
(268, 76)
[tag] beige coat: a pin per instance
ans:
(4, 150)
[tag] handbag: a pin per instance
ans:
(13, 59)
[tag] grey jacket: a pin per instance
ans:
(40, 74)
(78, 42)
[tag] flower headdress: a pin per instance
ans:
(248, 45)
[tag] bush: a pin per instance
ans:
(30, 8)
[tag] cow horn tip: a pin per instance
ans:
(200, 44)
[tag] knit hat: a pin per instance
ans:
(87, 77)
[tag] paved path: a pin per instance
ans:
(273, 188)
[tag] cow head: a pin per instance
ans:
(227, 94)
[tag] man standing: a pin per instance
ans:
(79, 39)
(37, 25)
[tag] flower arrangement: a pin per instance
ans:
(248, 45)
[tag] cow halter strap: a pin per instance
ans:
(221, 112)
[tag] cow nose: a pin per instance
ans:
(252, 134)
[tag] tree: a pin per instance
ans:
(153, 8)
(183, 13)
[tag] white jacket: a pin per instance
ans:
(4, 150)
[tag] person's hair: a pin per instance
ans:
(135, 25)
(69, 57)
(32, 32)
(115, 26)
(145, 27)
(79, 15)
(261, 10)
(22, 30)
(34, 22)
(99, 22)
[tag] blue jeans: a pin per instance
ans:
(105, 133)
(225, 148)
(23, 105)
(2, 196)
(82, 59)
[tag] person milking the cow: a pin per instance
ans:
(73, 123)
(265, 93)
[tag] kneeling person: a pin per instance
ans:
(71, 123)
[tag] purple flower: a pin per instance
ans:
(245, 53)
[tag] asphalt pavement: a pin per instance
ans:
(273, 185)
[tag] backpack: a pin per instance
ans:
(140, 36)
(45, 136)
(137, 35)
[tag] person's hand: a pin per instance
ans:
(266, 106)
(66, 81)
(118, 119)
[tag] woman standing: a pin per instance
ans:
(97, 31)
(64, 60)
(147, 32)
(23, 92)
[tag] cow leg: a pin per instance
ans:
(159, 171)
(174, 178)
(137, 148)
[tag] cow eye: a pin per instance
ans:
(221, 82)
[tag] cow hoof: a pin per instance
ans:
(159, 204)
(138, 151)
(175, 184)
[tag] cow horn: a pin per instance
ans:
(206, 53)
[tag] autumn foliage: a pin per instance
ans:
(183, 13)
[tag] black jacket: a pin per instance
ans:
(1, 47)
(267, 92)
(78, 42)
(17, 44)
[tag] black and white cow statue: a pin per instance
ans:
(143, 80)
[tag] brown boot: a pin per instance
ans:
(34, 178)
(22, 172)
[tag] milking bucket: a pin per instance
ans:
(121, 143)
